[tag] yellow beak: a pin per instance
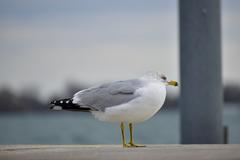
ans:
(172, 83)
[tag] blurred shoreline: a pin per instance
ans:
(29, 99)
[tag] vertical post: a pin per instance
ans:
(200, 62)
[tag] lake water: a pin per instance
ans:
(81, 128)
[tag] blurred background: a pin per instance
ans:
(50, 49)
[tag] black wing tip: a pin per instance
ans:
(52, 102)
(61, 103)
(52, 107)
(67, 104)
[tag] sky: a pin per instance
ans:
(49, 43)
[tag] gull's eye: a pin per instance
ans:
(164, 77)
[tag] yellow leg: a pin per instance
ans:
(131, 143)
(123, 135)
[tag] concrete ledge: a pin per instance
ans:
(116, 152)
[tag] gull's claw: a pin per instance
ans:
(136, 145)
(126, 146)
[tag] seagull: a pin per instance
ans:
(128, 101)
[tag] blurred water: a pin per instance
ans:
(81, 128)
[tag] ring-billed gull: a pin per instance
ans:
(130, 101)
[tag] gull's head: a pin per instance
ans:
(155, 76)
(168, 83)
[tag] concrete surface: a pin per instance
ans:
(116, 152)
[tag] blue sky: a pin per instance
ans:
(51, 42)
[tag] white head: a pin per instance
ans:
(155, 76)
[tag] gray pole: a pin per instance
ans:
(200, 62)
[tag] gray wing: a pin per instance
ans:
(108, 95)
